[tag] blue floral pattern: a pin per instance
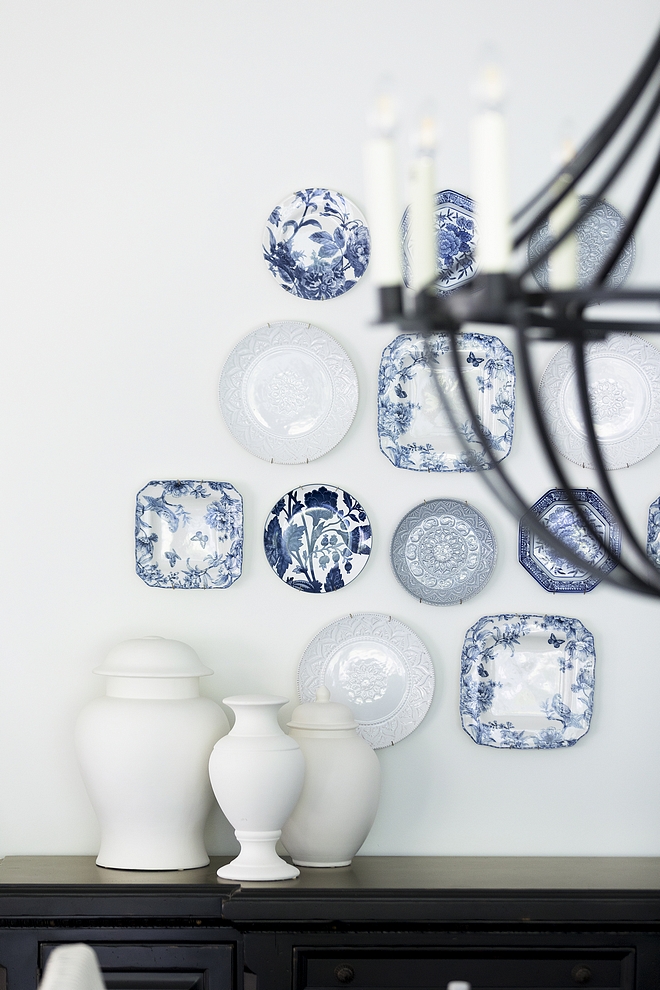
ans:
(456, 239)
(189, 534)
(552, 571)
(316, 244)
(317, 538)
(413, 430)
(527, 681)
(653, 532)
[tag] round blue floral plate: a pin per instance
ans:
(596, 234)
(316, 244)
(456, 238)
(317, 538)
(443, 552)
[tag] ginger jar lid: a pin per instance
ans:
(322, 714)
(152, 656)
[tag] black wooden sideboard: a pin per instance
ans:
(504, 923)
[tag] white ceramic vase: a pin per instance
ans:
(257, 775)
(340, 796)
(143, 751)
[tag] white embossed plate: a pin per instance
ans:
(623, 375)
(288, 392)
(527, 681)
(377, 667)
(443, 552)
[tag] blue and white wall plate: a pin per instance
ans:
(596, 234)
(623, 373)
(554, 510)
(377, 667)
(653, 532)
(527, 681)
(189, 534)
(317, 538)
(414, 431)
(316, 244)
(456, 238)
(443, 552)
(288, 392)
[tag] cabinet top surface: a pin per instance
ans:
(367, 873)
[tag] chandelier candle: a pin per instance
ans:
(489, 166)
(424, 268)
(382, 197)
(563, 262)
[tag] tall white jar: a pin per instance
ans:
(143, 751)
(340, 795)
(257, 775)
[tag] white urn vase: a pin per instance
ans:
(143, 751)
(257, 775)
(339, 799)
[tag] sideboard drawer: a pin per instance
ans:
(526, 969)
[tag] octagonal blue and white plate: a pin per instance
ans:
(443, 552)
(456, 239)
(414, 431)
(316, 244)
(653, 532)
(596, 234)
(527, 681)
(189, 534)
(552, 571)
(317, 538)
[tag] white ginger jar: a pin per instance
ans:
(257, 775)
(143, 751)
(340, 796)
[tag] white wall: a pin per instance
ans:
(142, 146)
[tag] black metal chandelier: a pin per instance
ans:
(508, 298)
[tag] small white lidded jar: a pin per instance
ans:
(143, 751)
(340, 795)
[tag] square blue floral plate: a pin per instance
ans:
(189, 534)
(414, 431)
(527, 681)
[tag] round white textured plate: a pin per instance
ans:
(288, 392)
(623, 375)
(377, 667)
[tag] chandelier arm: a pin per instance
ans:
(604, 185)
(599, 138)
(594, 449)
(627, 232)
(515, 503)
(548, 448)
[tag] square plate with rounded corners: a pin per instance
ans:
(414, 431)
(527, 681)
(189, 534)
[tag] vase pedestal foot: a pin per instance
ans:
(258, 859)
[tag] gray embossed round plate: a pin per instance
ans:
(377, 667)
(443, 552)
(288, 392)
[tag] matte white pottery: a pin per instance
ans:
(340, 796)
(257, 775)
(143, 751)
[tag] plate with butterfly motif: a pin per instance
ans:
(317, 538)
(189, 534)
(443, 552)
(596, 235)
(414, 431)
(623, 382)
(456, 235)
(378, 668)
(288, 392)
(527, 681)
(316, 244)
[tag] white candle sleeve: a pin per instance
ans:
(490, 188)
(423, 250)
(383, 211)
